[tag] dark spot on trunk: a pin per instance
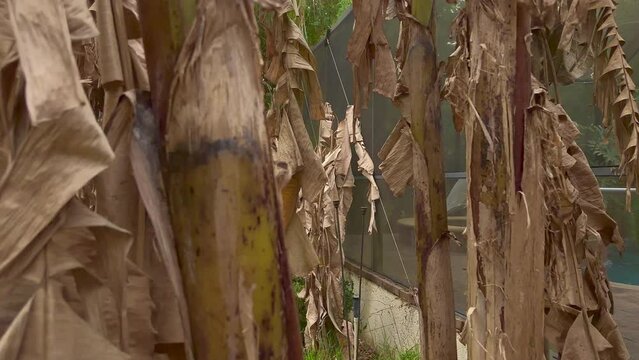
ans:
(183, 157)
(266, 352)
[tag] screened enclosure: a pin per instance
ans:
(390, 252)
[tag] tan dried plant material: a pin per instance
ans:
(576, 227)
(115, 61)
(121, 57)
(370, 53)
(590, 40)
(615, 90)
(91, 301)
(299, 249)
(578, 230)
(273, 4)
(487, 89)
(364, 164)
(397, 158)
(290, 65)
(456, 86)
(131, 191)
(171, 313)
(64, 297)
(48, 152)
(323, 290)
(397, 152)
(52, 87)
(8, 50)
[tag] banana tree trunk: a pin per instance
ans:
(222, 193)
(505, 198)
(172, 19)
(435, 283)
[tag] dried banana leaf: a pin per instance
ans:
(370, 53)
(82, 256)
(590, 40)
(577, 233)
(49, 152)
(364, 163)
(290, 65)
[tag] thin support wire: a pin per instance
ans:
(401, 259)
(339, 76)
(399, 254)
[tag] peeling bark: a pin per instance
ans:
(413, 154)
(505, 225)
(435, 282)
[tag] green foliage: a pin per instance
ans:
(312, 354)
(329, 347)
(348, 295)
(298, 285)
(387, 352)
(321, 15)
(410, 354)
(599, 145)
(422, 11)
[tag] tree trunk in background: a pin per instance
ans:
(174, 19)
(505, 199)
(435, 283)
(171, 19)
(222, 194)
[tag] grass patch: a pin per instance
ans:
(387, 352)
(410, 354)
(328, 349)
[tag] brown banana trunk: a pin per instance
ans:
(173, 19)
(435, 283)
(505, 198)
